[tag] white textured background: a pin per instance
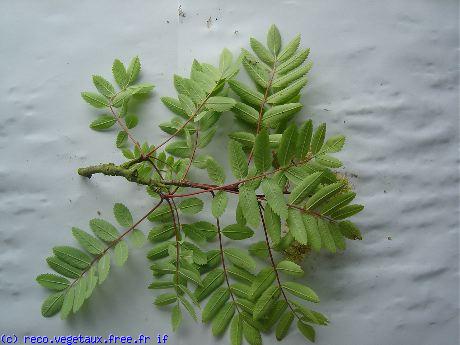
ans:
(385, 74)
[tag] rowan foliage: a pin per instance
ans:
(282, 176)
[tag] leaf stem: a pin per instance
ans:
(221, 248)
(267, 241)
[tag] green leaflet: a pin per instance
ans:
(253, 97)
(159, 251)
(273, 224)
(287, 146)
(175, 106)
(283, 326)
(284, 80)
(161, 214)
(121, 253)
(294, 62)
(337, 236)
(310, 315)
(333, 144)
(237, 232)
(275, 197)
(215, 302)
(288, 92)
(257, 72)
(337, 202)
(176, 317)
(137, 238)
(215, 172)
(220, 104)
(251, 334)
(262, 281)
(104, 230)
(301, 291)
(318, 138)
(290, 268)
(162, 232)
(274, 40)
(122, 215)
(210, 283)
(95, 99)
(156, 285)
(262, 154)
(200, 231)
(304, 188)
(326, 237)
(239, 216)
(289, 49)
(179, 149)
(79, 294)
(350, 231)
(237, 157)
(225, 61)
(259, 249)
(236, 331)
(275, 314)
(241, 290)
(103, 122)
(63, 268)
(133, 69)
(206, 137)
(311, 226)
(296, 226)
(103, 267)
(246, 113)
(72, 256)
(191, 205)
(347, 211)
(262, 53)
(103, 86)
(285, 242)
(240, 274)
(328, 161)
(67, 303)
(223, 318)
(52, 305)
(190, 275)
(219, 204)
(304, 139)
(53, 281)
(249, 205)
(279, 113)
(165, 299)
(323, 195)
(119, 73)
(245, 305)
(307, 330)
(91, 281)
(188, 105)
(90, 243)
(265, 302)
(244, 138)
(122, 138)
(240, 258)
(122, 97)
(188, 306)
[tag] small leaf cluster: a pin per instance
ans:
(283, 178)
(80, 270)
